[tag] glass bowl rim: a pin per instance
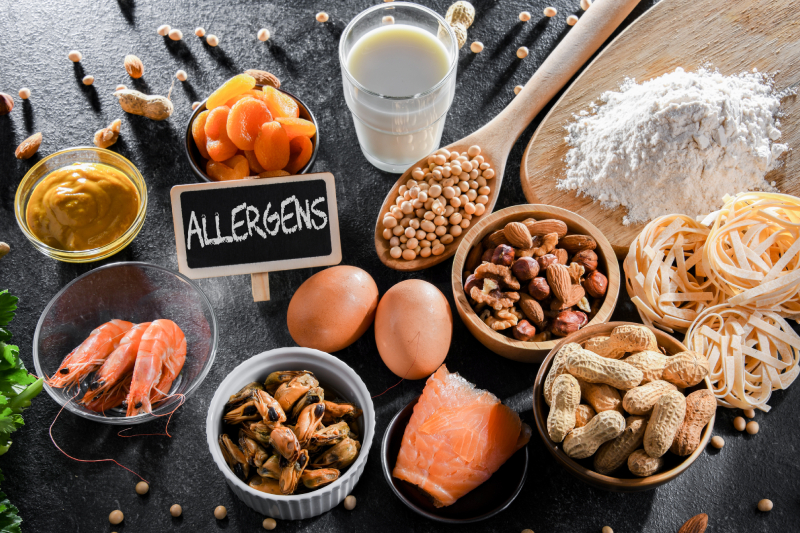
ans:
(138, 419)
(92, 254)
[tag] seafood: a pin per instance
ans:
(291, 391)
(280, 427)
(112, 397)
(313, 479)
(171, 367)
(158, 344)
(291, 473)
(340, 456)
(457, 437)
(91, 353)
(117, 368)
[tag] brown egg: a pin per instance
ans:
(413, 328)
(332, 308)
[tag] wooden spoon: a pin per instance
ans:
(498, 136)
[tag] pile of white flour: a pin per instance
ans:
(675, 144)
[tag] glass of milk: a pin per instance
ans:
(399, 74)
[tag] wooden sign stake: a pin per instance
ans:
(259, 284)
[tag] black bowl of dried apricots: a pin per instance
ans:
(247, 129)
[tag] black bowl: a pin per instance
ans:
(195, 159)
(490, 498)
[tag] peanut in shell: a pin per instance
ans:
(668, 414)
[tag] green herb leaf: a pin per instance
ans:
(8, 307)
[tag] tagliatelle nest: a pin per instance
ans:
(753, 251)
(750, 353)
(663, 274)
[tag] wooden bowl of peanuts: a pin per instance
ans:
(517, 277)
(637, 434)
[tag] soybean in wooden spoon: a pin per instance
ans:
(498, 136)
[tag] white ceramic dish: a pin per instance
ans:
(330, 371)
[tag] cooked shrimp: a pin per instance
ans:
(172, 366)
(118, 365)
(92, 352)
(113, 397)
(158, 343)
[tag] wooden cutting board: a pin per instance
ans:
(733, 36)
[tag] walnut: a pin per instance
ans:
(501, 319)
(576, 272)
(549, 243)
(494, 298)
(500, 273)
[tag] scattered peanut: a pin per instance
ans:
(739, 423)
(24, 93)
(175, 34)
(350, 503)
(75, 56)
(550, 12)
(29, 146)
(220, 512)
(142, 487)
(4, 249)
(522, 52)
(607, 529)
(151, 106)
(572, 20)
(105, 137)
(517, 89)
(749, 413)
(524, 16)
(195, 105)
(175, 510)
(460, 16)
(116, 517)
(765, 505)
(200, 32)
(476, 47)
(164, 30)
(752, 427)
(88, 80)
(181, 75)
(263, 34)
(212, 40)
(586, 4)
(717, 442)
(322, 17)
(269, 523)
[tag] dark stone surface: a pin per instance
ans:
(55, 493)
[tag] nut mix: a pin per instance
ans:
(654, 416)
(534, 280)
(438, 203)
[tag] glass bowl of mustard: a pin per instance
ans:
(81, 204)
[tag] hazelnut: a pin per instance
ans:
(523, 331)
(6, 104)
(568, 322)
(525, 268)
(546, 260)
(503, 255)
(587, 259)
(487, 256)
(596, 284)
(472, 281)
(539, 288)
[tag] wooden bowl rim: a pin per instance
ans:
(586, 474)
(477, 233)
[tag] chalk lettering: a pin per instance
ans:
(319, 213)
(194, 228)
(302, 216)
(220, 238)
(284, 217)
(252, 224)
(234, 224)
(205, 234)
(273, 216)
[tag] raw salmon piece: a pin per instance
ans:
(457, 437)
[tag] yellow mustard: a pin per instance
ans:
(82, 206)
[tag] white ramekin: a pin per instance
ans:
(330, 371)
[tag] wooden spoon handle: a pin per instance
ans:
(583, 40)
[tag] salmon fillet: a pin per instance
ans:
(457, 437)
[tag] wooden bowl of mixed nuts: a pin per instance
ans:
(624, 407)
(527, 276)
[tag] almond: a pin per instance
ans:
(576, 243)
(543, 227)
(493, 240)
(264, 78)
(561, 254)
(576, 294)
(532, 309)
(559, 280)
(29, 146)
(134, 66)
(518, 235)
(696, 524)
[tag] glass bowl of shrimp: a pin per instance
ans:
(125, 343)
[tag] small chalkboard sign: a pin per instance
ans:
(256, 226)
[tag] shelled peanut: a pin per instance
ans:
(638, 392)
(534, 281)
(438, 203)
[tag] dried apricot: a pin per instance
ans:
(296, 127)
(199, 133)
(245, 120)
(219, 146)
(236, 85)
(253, 93)
(255, 166)
(272, 147)
(235, 168)
(280, 104)
(273, 174)
(300, 149)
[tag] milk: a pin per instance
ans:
(399, 119)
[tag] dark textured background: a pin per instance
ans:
(54, 493)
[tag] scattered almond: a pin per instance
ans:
(29, 146)
(134, 66)
(696, 524)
